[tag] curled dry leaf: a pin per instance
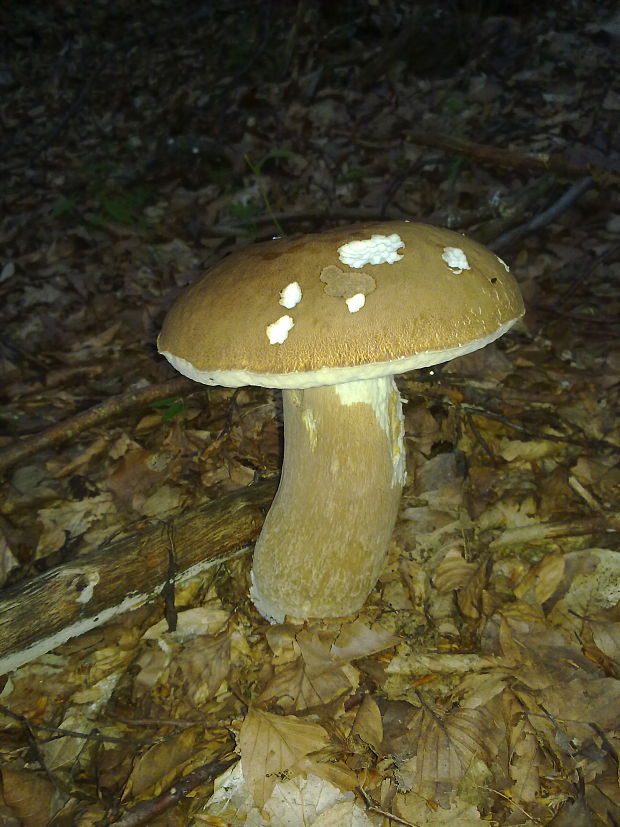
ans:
(525, 756)
(367, 725)
(356, 640)
(543, 579)
(8, 561)
(454, 573)
(161, 762)
(606, 636)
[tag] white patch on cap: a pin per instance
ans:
(278, 331)
(378, 249)
(501, 261)
(356, 302)
(456, 259)
(291, 295)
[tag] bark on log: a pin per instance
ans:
(42, 613)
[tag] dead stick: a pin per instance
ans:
(485, 153)
(566, 200)
(68, 428)
(146, 811)
(577, 527)
(496, 156)
(42, 613)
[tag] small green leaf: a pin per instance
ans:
(172, 411)
(172, 406)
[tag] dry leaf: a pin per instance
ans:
(513, 449)
(271, 745)
(29, 795)
(203, 664)
(356, 640)
(575, 813)
(80, 717)
(313, 801)
(417, 811)
(159, 762)
(544, 578)
(525, 757)
(315, 649)
(454, 573)
(282, 640)
(338, 774)
(416, 581)
(8, 561)
(297, 687)
(607, 637)
(446, 747)
(70, 519)
(592, 584)
(201, 620)
(367, 725)
(577, 705)
(312, 679)
(310, 801)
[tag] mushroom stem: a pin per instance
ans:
(325, 538)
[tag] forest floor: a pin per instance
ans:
(480, 684)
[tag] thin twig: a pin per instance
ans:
(86, 736)
(373, 808)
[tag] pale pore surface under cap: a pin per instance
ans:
(328, 376)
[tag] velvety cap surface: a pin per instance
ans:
(404, 296)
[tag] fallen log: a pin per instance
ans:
(40, 614)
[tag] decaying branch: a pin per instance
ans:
(515, 159)
(604, 170)
(42, 613)
(146, 811)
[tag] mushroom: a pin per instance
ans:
(407, 296)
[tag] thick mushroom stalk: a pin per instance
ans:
(325, 538)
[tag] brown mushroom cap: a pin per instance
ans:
(422, 310)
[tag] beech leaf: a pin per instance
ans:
(271, 745)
